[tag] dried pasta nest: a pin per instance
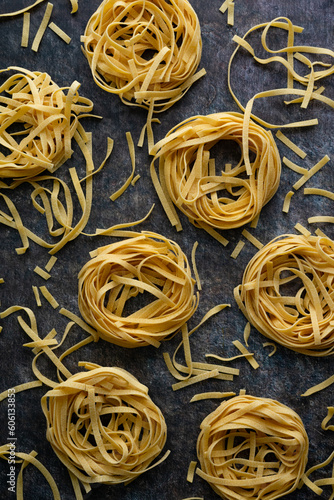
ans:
(146, 51)
(252, 448)
(189, 178)
(287, 293)
(38, 120)
(121, 271)
(103, 425)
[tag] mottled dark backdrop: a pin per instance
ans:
(285, 375)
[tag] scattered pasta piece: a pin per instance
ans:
(49, 297)
(318, 232)
(319, 387)
(211, 395)
(283, 138)
(147, 262)
(287, 200)
(2, 280)
(41, 30)
(311, 172)
(188, 178)
(294, 167)
(290, 50)
(37, 297)
(320, 192)
(135, 179)
(75, 6)
(254, 241)
(120, 191)
(230, 13)
(239, 246)
(247, 331)
(324, 423)
(234, 444)
(195, 379)
(25, 29)
(248, 355)
(302, 229)
(41, 272)
(77, 405)
(191, 471)
(21, 11)
(321, 219)
(302, 320)
(55, 28)
(21, 388)
(50, 263)
(315, 485)
(270, 344)
(193, 261)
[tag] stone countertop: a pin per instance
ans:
(284, 376)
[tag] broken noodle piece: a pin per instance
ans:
(302, 318)
(252, 448)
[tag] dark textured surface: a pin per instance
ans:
(285, 375)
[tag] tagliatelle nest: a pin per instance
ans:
(252, 448)
(38, 120)
(287, 293)
(221, 196)
(103, 425)
(146, 51)
(121, 271)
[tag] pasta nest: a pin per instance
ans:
(145, 51)
(103, 425)
(37, 122)
(287, 293)
(119, 272)
(252, 448)
(224, 200)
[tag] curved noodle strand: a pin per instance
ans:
(252, 448)
(287, 293)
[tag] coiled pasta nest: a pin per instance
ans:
(287, 293)
(221, 196)
(38, 120)
(252, 448)
(103, 425)
(119, 272)
(146, 51)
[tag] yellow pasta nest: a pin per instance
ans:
(119, 272)
(287, 293)
(146, 51)
(103, 425)
(224, 200)
(252, 448)
(37, 123)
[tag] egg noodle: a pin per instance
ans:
(145, 51)
(146, 262)
(103, 425)
(287, 293)
(252, 448)
(188, 179)
(38, 120)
